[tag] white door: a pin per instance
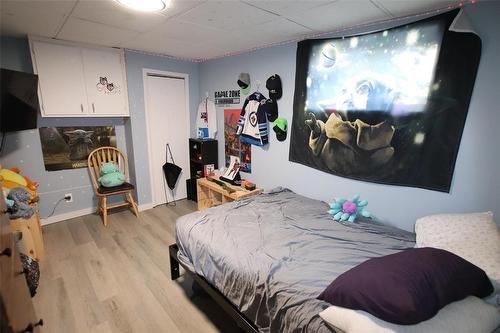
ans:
(167, 123)
(106, 91)
(61, 80)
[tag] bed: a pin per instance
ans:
(266, 258)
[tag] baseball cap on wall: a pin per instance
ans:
(244, 83)
(280, 126)
(271, 108)
(273, 84)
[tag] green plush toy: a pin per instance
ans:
(111, 175)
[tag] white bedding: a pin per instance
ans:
(470, 315)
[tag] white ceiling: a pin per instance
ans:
(196, 29)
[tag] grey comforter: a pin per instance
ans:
(273, 254)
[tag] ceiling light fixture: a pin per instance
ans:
(144, 5)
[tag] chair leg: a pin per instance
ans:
(105, 210)
(132, 204)
(98, 210)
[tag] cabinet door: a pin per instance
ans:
(104, 77)
(61, 81)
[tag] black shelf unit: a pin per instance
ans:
(201, 153)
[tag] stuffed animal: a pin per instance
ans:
(348, 210)
(11, 178)
(8, 202)
(111, 175)
(21, 207)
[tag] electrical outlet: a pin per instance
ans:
(68, 197)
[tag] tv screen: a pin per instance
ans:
(18, 100)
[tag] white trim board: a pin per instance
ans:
(67, 216)
(146, 206)
(83, 212)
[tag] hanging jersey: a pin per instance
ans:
(206, 121)
(252, 125)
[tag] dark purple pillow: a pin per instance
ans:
(408, 287)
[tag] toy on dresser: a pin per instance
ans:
(19, 193)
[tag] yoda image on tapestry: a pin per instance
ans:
(69, 147)
(350, 147)
(387, 106)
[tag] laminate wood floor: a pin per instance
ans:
(117, 279)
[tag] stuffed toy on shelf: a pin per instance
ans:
(11, 179)
(21, 207)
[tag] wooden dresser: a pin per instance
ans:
(17, 313)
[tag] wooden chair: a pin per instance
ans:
(95, 159)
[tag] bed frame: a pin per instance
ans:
(241, 320)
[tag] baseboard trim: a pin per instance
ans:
(82, 212)
(145, 206)
(67, 216)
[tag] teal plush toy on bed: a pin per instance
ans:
(348, 210)
(110, 175)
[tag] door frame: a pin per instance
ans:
(166, 74)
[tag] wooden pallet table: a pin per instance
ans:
(211, 194)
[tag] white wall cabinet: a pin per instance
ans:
(104, 81)
(76, 81)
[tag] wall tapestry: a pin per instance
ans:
(387, 106)
(232, 144)
(69, 147)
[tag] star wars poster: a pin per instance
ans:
(232, 144)
(69, 147)
(388, 106)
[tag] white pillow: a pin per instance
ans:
(474, 237)
(468, 315)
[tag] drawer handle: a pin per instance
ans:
(31, 327)
(81, 107)
(6, 252)
(93, 108)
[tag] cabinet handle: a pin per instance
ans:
(6, 252)
(93, 108)
(31, 327)
(81, 107)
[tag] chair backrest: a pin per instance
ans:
(103, 155)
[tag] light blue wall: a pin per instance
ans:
(135, 63)
(475, 187)
(476, 182)
(23, 149)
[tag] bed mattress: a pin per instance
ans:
(271, 255)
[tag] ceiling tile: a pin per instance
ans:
(79, 30)
(400, 8)
(178, 29)
(177, 7)
(289, 7)
(227, 15)
(339, 14)
(42, 18)
(168, 46)
(278, 30)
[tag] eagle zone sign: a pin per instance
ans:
(227, 97)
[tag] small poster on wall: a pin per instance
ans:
(69, 147)
(227, 97)
(233, 146)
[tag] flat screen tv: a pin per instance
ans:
(18, 100)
